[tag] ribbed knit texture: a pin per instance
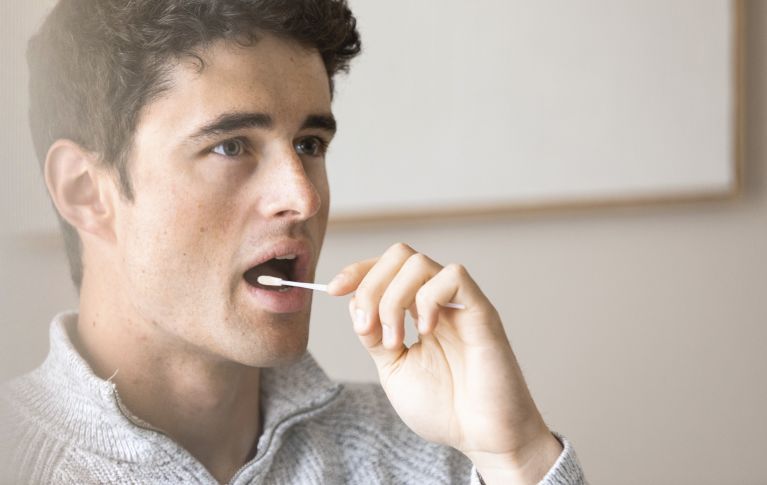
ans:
(62, 424)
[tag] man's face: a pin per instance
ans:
(228, 171)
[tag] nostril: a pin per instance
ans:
(303, 205)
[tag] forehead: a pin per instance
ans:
(274, 76)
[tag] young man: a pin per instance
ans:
(183, 145)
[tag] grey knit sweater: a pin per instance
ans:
(63, 424)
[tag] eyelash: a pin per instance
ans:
(321, 149)
(244, 145)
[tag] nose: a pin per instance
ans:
(288, 190)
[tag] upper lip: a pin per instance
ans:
(301, 249)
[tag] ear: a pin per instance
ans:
(80, 190)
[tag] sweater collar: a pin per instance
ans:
(90, 410)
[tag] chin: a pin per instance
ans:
(287, 349)
(273, 348)
(285, 358)
(262, 339)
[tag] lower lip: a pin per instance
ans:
(289, 301)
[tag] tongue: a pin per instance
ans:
(266, 269)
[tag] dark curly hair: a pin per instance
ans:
(95, 64)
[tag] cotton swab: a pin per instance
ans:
(455, 306)
(274, 281)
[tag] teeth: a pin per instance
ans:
(287, 256)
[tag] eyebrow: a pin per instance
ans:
(229, 122)
(322, 122)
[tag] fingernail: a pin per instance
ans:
(388, 335)
(421, 326)
(360, 320)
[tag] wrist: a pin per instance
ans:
(527, 465)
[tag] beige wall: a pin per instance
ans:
(642, 332)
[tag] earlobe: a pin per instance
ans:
(77, 188)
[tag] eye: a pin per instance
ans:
(312, 146)
(230, 148)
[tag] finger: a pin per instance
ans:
(372, 288)
(370, 337)
(400, 295)
(373, 285)
(350, 277)
(413, 310)
(452, 284)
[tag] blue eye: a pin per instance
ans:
(230, 148)
(312, 146)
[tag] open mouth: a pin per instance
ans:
(283, 267)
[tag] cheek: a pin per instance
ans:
(176, 232)
(319, 177)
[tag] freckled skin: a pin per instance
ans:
(177, 331)
(198, 218)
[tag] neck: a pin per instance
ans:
(207, 405)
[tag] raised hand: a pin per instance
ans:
(460, 384)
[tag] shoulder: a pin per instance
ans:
(14, 405)
(21, 400)
(29, 452)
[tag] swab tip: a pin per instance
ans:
(269, 280)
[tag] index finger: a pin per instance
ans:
(349, 278)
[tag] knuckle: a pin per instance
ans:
(418, 260)
(401, 249)
(457, 269)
